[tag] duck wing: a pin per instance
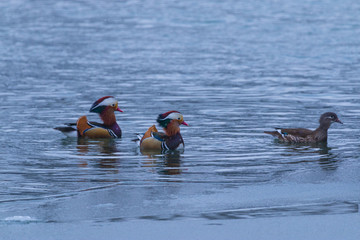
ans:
(292, 135)
(298, 132)
(159, 136)
(95, 124)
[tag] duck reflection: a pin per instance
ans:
(166, 163)
(103, 150)
(327, 159)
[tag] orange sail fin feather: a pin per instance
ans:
(86, 130)
(149, 132)
(82, 125)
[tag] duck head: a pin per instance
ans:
(106, 106)
(171, 121)
(328, 118)
(105, 103)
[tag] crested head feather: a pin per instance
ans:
(99, 105)
(165, 118)
(165, 115)
(102, 99)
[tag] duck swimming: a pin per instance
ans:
(105, 107)
(171, 139)
(303, 135)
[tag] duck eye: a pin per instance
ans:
(113, 104)
(332, 117)
(179, 118)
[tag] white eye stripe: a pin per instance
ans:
(173, 116)
(108, 102)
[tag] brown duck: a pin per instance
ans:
(303, 135)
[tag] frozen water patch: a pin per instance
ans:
(329, 208)
(106, 205)
(19, 219)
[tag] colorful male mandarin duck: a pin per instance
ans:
(302, 135)
(170, 140)
(105, 107)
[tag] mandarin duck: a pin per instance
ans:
(303, 135)
(105, 107)
(171, 139)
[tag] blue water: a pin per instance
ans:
(232, 68)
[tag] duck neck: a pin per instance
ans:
(324, 126)
(172, 128)
(321, 131)
(108, 117)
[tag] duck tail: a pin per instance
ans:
(274, 133)
(68, 131)
(138, 138)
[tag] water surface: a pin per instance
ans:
(232, 68)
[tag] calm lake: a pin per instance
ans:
(233, 68)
